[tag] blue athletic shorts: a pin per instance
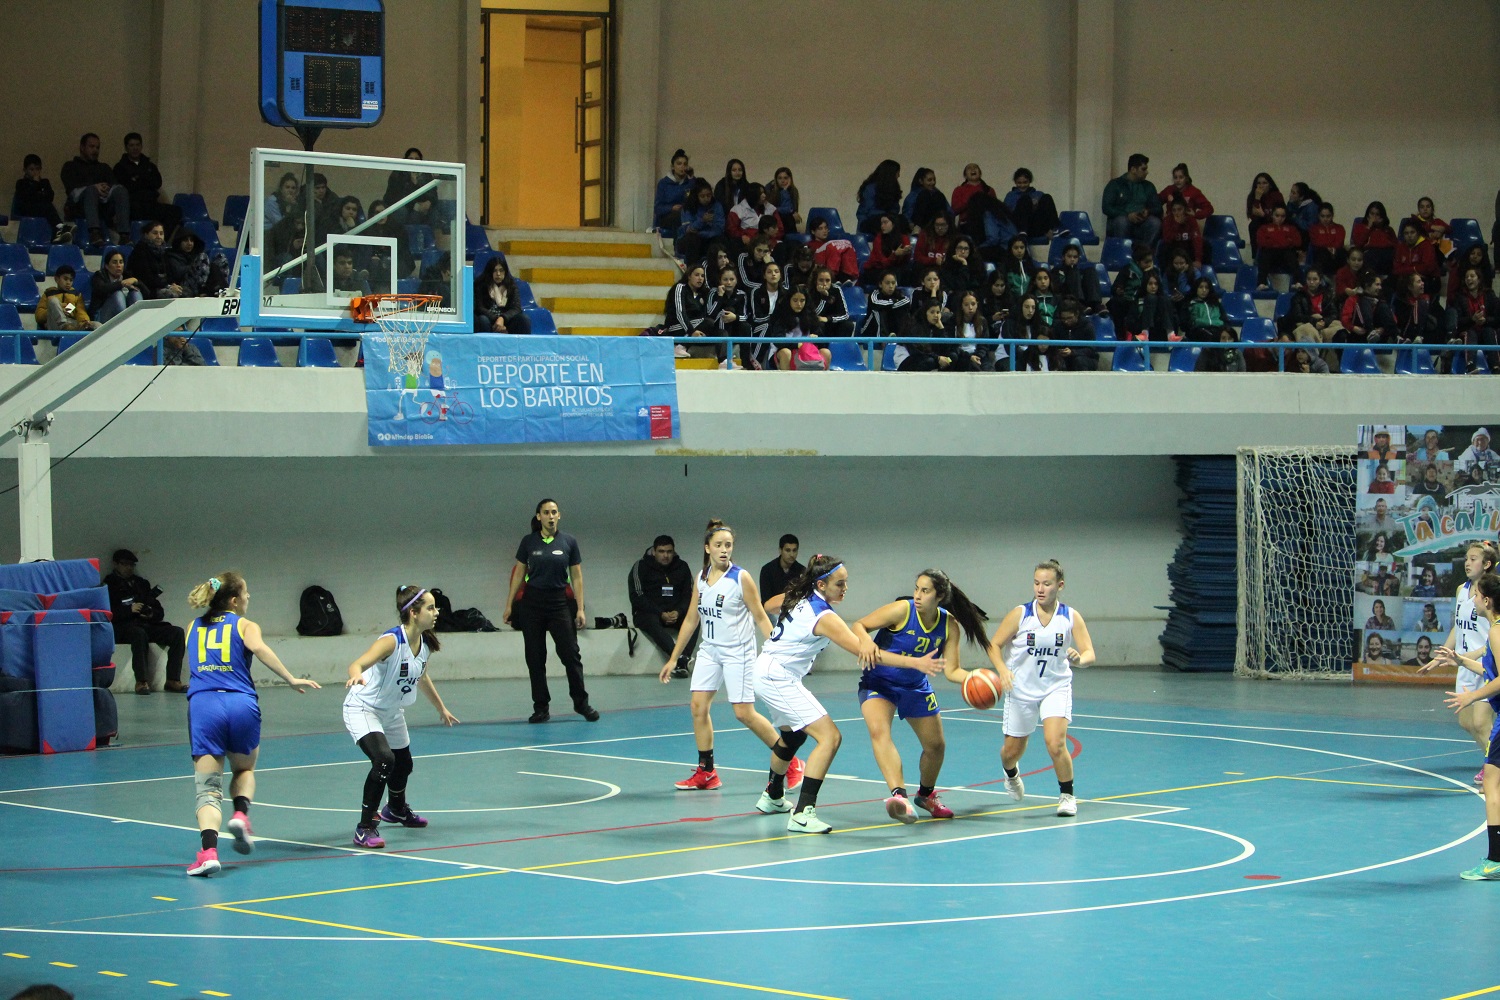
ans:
(221, 722)
(1493, 757)
(911, 702)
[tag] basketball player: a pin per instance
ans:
(1486, 595)
(729, 613)
(1467, 639)
(806, 623)
(921, 624)
(382, 682)
(1043, 640)
(223, 710)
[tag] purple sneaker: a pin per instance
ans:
(368, 836)
(411, 819)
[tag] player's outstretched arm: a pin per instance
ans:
(832, 627)
(1082, 652)
(886, 616)
(1447, 644)
(250, 633)
(684, 633)
(430, 690)
(1444, 657)
(379, 650)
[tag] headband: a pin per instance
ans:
(836, 568)
(414, 600)
(215, 583)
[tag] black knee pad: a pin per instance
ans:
(403, 763)
(382, 758)
(786, 747)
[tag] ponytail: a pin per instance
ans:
(536, 523)
(714, 527)
(798, 590)
(407, 598)
(1054, 566)
(970, 617)
(215, 593)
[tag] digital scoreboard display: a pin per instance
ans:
(330, 31)
(322, 63)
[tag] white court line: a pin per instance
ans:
(1246, 849)
(1274, 729)
(611, 793)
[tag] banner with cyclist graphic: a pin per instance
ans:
(504, 389)
(1424, 493)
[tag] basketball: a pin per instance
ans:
(982, 689)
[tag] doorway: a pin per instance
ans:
(547, 119)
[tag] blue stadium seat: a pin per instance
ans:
(831, 215)
(523, 289)
(1226, 255)
(20, 291)
(206, 348)
(1060, 245)
(292, 285)
(408, 286)
(482, 257)
(194, 209)
(219, 324)
(137, 226)
(888, 358)
(1184, 358)
(475, 239)
(1205, 271)
(1130, 358)
(205, 230)
(317, 352)
(67, 254)
(1104, 328)
(15, 258)
(1116, 253)
(1258, 329)
(1359, 361)
(17, 350)
(1413, 361)
(419, 238)
(1078, 226)
(1283, 305)
(1104, 286)
(1247, 279)
(67, 340)
(1477, 359)
(1222, 227)
(1239, 307)
(848, 356)
(431, 256)
(542, 323)
(859, 305)
(1465, 231)
(258, 352)
(146, 357)
(236, 207)
(10, 317)
(34, 232)
(861, 248)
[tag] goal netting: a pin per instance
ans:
(1296, 562)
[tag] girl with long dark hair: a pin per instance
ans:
(880, 193)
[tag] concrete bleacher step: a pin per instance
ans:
(604, 331)
(606, 306)
(606, 263)
(587, 324)
(656, 278)
(534, 247)
(656, 295)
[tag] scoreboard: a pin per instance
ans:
(322, 62)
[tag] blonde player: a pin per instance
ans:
(1486, 595)
(729, 613)
(382, 682)
(1042, 640)
(1467, 638)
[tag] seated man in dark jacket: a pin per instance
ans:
(148, 264)
(661, 593)
(138, 621)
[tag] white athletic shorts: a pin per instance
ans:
(1467, 679)
(1022, 715)
(361, 721)
(788, 702)
(729, 667)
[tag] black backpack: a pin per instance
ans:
(320, 614)
(464, 620)
(444, 609)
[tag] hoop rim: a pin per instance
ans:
(363, 308)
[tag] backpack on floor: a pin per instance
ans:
(444, 608)
(320, 614)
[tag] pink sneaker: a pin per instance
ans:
(794, 769)
(934, 807)
(897, 808)
(207, 862)
(239, 825)
(700, 781)
(368, 836)
(1479, 778)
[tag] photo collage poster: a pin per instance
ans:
(1424, 493)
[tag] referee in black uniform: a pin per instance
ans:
(549, 561)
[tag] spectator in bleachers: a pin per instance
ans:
(1149, 316)
(34, 198)
(1477, 255)
(178, 351)
(346, 280)
(731, 187)
(284, 242)
(1433, 228)
(837, 254)
(403, 182)
(969, 322)
(1072, 324)
(1132, 208)
(1302, 206)
(687, 304)
(879, 193)
(148, 262)
(1417, 255)
(1312, 316)
(1017, 266)
(963, 271)
(1373, 234)
(890, 250)
(380, 261)
(729, 314)
(755, 216)
(1279, 243)
(1325, 241)
(1366, 317)
(1046, 298)
(751, 264)
(436, 279)
(971, 200)
(284, 202)
(1178, 279)
(142, 183)
(996, 300)
(140, 622)
(796, 332)
(93, 194)
(672, 195)
(1024, 322)
(1182, 189)
(825, 300)
(1069, 279)
(1472, 317)
(350, 215)
(1416, 320)
(929, 290)
(1205, 315)
(999, 229)
(1306, 362)
(424, 211)
(798, 272)
(782, 193)
(933, 242)
(916, 356)
(1129, 281)
(497, 302)
(112, 291)
(889, 310)
(702, 224)
(1263, 197)
(1033, 211)
(1346, 280)
(924, 202)
(188, 267)
(763, 301)
(61, 307)
(326, 204)
(1179, 230)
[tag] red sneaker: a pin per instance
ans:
(794, 769)
(1479, 778)
(206, 863)
(700, 781)
(933, 806)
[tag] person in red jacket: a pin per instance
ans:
(1264, 195)
(934, 242)
(973, 185)
(1346, 279)
(1416, 255)
(1426, 219)
(1475, 255)
(836, 255)
(1373, 234)
(1473, 315)
(890, 250)
(1279, 243)
(1325, 241)
(1181, 189)
(1180, 229)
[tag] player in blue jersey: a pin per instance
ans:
(1486, 594)
(921, 624)
(223, 710)
(382, 683)
(806, 623)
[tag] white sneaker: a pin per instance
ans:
(807, 821)
(1067, 805)
(1016, 787)
(898, 808)
(768, 805)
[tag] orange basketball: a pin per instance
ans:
(982, 689)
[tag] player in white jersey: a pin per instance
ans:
(1042, 641)
(382, 682)
(729, 612)
(805, 624)
(1467, 638)
(1486, 594)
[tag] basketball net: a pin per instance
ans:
(403, 323)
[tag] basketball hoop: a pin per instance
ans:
(404, 322)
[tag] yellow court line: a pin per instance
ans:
(361, 888)
(1476, 993)
(161, 982)
(11, 954)
(527, 954)
(63, 965)
(214, 993)
(117, 975)
(1375, 784)
(1184, 788)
